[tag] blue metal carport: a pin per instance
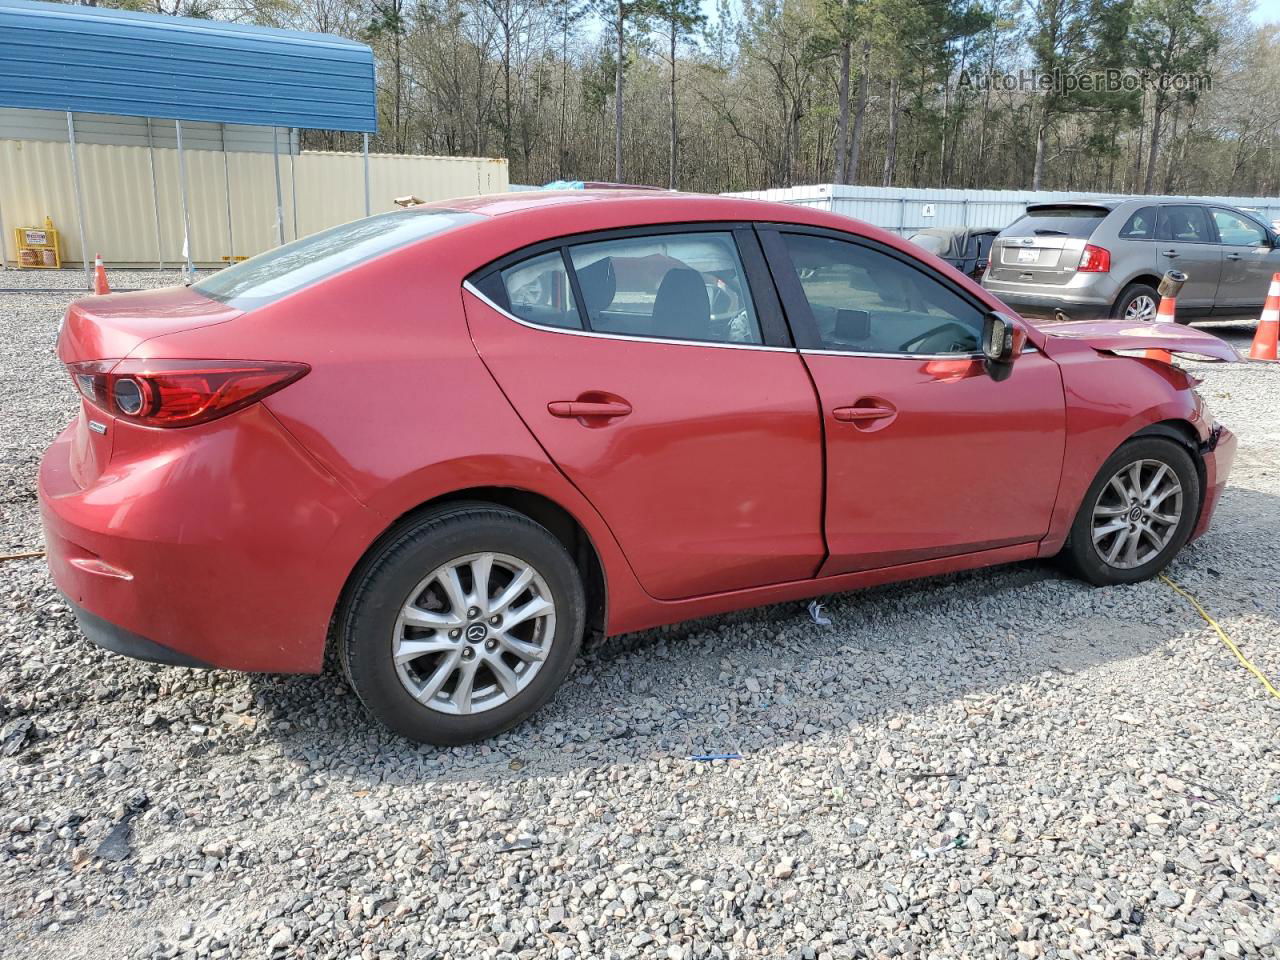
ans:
(96, 60)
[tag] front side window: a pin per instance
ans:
(679, 286)
(1237, 231)
(1184, 224)
(285, 270)
(865, 301)
(539, 291)
(1140, 226)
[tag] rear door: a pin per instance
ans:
(1045, 245)
(1186, 241)
(1248, 262)
(927, 456)
(664, 385)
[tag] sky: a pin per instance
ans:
(1267, 11)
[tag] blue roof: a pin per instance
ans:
(97, 60)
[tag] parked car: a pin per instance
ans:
(458, 437)
(1100, 258)
(968, 249)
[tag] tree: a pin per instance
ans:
(1170, 38)
(679, 18)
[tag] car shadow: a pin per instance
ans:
(758, 679)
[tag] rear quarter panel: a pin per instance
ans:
(1109, 399)
(398, 406)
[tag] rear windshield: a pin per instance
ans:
(279, 272)
(1064, 221)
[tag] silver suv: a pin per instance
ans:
(1098, 258)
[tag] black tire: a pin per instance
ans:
(367, 620)
(1132, 293)
(1080, 554)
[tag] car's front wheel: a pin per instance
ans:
(1138, 303)
(462, 624)
(1137, 513)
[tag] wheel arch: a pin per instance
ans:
(541, 509)
(1184, 434)
(1149, 279)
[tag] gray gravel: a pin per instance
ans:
(1002, 764)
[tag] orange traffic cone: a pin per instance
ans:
(1165, 313)
(1264, 341)
(100, 284)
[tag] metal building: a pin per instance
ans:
(91, 60)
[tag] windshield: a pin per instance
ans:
(279, 272)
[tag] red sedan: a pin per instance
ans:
(453, 440)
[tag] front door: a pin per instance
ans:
(927, 456)
(1186, 241)
(666, 389)
(1249, 261)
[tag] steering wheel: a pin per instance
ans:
(949, 337)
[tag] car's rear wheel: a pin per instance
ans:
(1138, 303)
(462, 624)
(1137, 513)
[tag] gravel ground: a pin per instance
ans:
(1001, 764)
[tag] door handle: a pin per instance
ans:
(1233, 256)
(572, 409)
(859, 414)
(1171, 254)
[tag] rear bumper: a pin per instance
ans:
(1219, 453)
(121, 641)
(1076, 307)
(222, 545)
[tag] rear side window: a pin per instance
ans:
(1058, 221)
(1140, 226)
(1184, 224)
(538, 290)
(679, 286)
(284, 270)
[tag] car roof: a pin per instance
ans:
(566, 212)
(672, 204)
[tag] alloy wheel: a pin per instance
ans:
(1137, 514)
(473, 633)
(1141, 309)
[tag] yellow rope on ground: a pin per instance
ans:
(30, 554)
(1270, 688)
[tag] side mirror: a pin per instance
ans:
(1002, 342)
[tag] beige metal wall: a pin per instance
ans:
(120, 216)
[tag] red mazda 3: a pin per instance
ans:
(455, 439)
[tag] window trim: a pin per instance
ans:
(775, 333)
(469, 286)
(804, 327)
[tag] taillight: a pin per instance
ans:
(179, 393)
(1095, 259)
